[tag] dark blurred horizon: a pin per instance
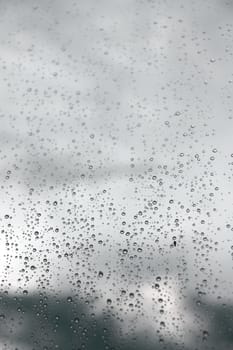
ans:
(41, 321)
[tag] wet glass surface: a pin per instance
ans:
(116, 179)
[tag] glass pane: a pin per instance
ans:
(116, 175)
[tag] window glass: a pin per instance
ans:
(116, 174)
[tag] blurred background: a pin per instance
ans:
(116, 174)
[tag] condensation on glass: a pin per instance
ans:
(116, 175)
